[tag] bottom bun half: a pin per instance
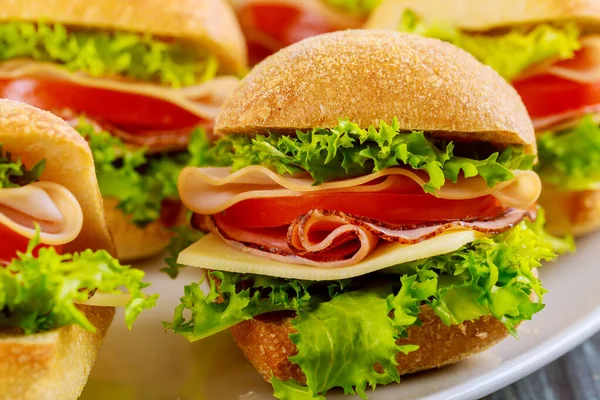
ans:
(134, 242)
(570, 212)
(265, 342)
(51, 365)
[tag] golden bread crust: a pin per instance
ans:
(132, 241)
(576, 213)
(32, 135)
(51, 365)
(207, 24)
(479, 15)
(265, 342)
(368, 76)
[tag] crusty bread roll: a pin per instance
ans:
(31, 135)
(265, 342)
(568, 212)
(367, 76)
(477, 15)
(208, 24)
(56, 364)
(132, 241)
(51, 365)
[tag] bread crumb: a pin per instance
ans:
(481, 335)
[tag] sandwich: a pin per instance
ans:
(548, 50)
(270, 25)
(59, 282)
(371, 211)
(137, 80)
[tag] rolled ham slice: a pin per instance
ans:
(332, 239)
(54, 208)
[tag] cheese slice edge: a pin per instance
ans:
(211, 252)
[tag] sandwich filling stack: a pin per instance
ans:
(371, 211)
(137, 80)
(58, 279)
(270, 25)
(549, 51)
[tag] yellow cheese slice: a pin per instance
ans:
(211, 252)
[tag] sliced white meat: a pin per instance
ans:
(51, 206)
(583, 68)
(211, 190)
(332, 239)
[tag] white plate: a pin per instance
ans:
(148, 363)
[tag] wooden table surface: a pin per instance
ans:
(575, 376)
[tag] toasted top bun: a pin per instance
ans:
(209, 24)
(371, 75)
(31, 135)
(477, 15)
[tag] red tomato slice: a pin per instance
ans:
(285, 24)
(125, 110)
(546, 95)
(387, 207)
(12, 242)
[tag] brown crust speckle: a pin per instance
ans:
(368, 76)
(265, 342)
(206, 23)
(32, 135)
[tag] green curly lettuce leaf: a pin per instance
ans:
(14, 174)
(209, 317)
(571, 159)
(357, 7)
(139, 182)
(508, 53)
(39, 290)
(292, 390)
(184, 236)
(490, 276)
(348, 151)
(101, 53)
(352, 321)
(345, 327)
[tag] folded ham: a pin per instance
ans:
(332, 239)
(583, 69)
(47, 204)
(211, 190)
